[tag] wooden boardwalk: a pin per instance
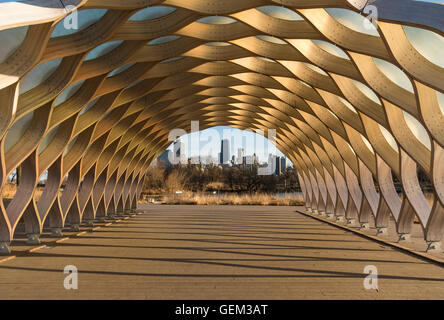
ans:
(226, 252)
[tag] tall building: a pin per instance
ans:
(224, 151)
(164, 159)
(255, 159)
(276, 164)
(179, 152)
(283, 164)
(271, 164)
(277, 170)
(240, 155)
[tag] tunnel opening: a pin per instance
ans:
(222, 161)
(96, 101)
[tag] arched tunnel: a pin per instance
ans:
(91, 89)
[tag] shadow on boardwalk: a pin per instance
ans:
(175, 252)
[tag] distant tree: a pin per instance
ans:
(176, 181)
(269, 183)
(231, 179)
(154, 180)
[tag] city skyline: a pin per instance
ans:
(211, 139)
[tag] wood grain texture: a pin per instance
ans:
(220, 252)
(97, 121)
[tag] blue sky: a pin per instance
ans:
(210, 143)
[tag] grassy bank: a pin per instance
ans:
(9, 190)
(229, 199)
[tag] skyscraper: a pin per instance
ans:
(164, 159)
(240, 155)
(277, 165)
(283, 164)
(179, 152)
(248, 161)
(224, 151)
(271, 164)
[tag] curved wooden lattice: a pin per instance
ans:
(353, 106)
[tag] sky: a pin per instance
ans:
(208, 142)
